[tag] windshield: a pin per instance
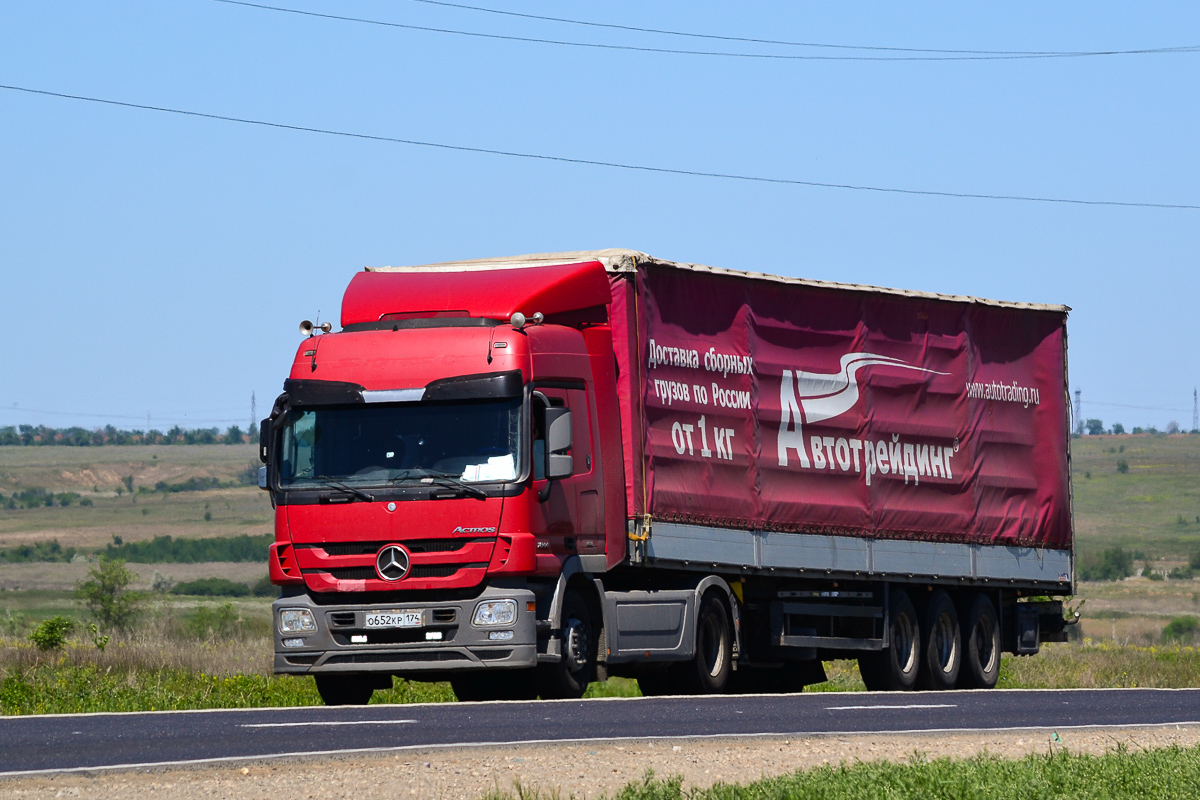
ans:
(472, 441)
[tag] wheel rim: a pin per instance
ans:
(903, 642)
(575, 645)
(711, 646)
(985, 643)
(945, 643)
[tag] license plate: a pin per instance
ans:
(396, 619)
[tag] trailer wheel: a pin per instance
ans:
(345, 689)
(895, 669)
(942, 646)
(981, 645)
(569, 678)
(708, 671)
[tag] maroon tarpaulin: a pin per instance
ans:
(796, 407)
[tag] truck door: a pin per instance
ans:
(570, 511)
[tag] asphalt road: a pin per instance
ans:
(98, 741)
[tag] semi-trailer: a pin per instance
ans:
(525, 474)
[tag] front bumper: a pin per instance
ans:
(403, 651)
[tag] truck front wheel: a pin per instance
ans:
(346, 689)
(569, 677)
(895, 669)
(708, 672)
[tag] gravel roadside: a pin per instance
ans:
(576, 770)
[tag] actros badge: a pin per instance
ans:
(392, 563)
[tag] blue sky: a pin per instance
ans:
(158, 263)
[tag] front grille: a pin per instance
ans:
(384, 658)
(443, 614)
(433, 571)
(415, 546)
(418, 571)
(342, 619)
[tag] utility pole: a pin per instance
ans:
(1078, 412)
(253, 413)
(1195, 410)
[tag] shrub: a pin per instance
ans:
(1181, 574)
(1114, 564)
(1194, 561)
(165, 549)
(212, 587)
(1122, 466)
(51, 634)
(107, 595)
(42, 551)
(1151, 574)
(13, 624)
(190, 485)
(1181, 628)
(264, 587)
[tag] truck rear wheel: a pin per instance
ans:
(569, 678)
(346, 689)
(981, 645)
(942, 646)
(895, 669)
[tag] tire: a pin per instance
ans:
(895, 669)
(981, 645)
(506, 684)
(345, 689)
(941, 648)
(709, 670)
(569, 678)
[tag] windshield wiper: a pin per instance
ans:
(359, 493)
(454, 482)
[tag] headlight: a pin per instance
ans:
(296, 620)
(495, 612)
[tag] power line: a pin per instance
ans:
(772, 56)
(1139, 408)
(784, 43)
(595, 163)
(89, 415)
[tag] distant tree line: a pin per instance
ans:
(1095, 427)
(41, 436)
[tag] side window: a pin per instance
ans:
(555, 398)
(581, 431)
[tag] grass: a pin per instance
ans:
(1152, 508)
(97, 473)
(1168, 772)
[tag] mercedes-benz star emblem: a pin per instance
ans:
(392, 563)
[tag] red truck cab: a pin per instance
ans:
(434, 465)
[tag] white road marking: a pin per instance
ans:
(330, 722)
(911, 705)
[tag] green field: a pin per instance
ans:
(188, 653)
(98, 474)
(1154, 507)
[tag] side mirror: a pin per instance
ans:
(264, 440)
(559, 463)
